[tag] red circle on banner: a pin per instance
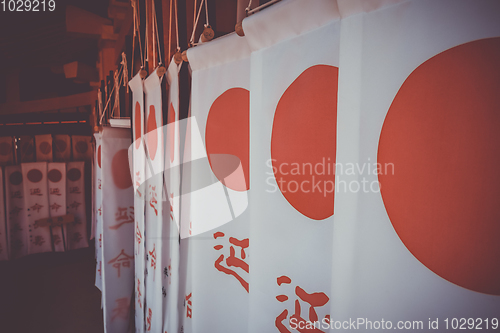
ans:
(34, 175)
(152, 133)
(16, 178)
(137, 125)
(5, 148)
(81, 147)
(120, 170)
(442, 135)
(303, 141)
(60, 145)
(99, 156)
(54, 175)
(227, 134)
(74, 174)
(171, 131)
(45, 147)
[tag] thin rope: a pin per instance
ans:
(157, 35)
(133, 42)
(261, 6)
(194, 13)
(177, 26)
(137, 31)
(196, 22)
(206, 13)
(248, 7)
(107, 102)
(146, 40)
(170, 33)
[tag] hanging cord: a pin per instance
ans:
(248, 7)
(138, 33)
(248, 11)
(170, 33)
(206, 13)
(125, 70)
(177, 26)
(157, 34)
(116, 89)
(109, 99)
(196, 22)
(99, 97)
(146, 41)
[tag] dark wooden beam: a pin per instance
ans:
(57, 103)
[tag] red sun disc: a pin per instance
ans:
(304, 139)
(442, 134)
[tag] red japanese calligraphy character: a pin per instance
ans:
(15, 211)
(139, 293)
(123, 215)
(54, 191)
(75, 205)
(138, 234)
(74, 189)
(314, 300)
(152, 255)
(189, 310)
(55, 206)
(16, 195)
(36, 207)
(121, 310)
(232, 260)
(39, 240)
(152, 201)
(57, 239)
(77, 237)
(36, 191)
(138, 182)
(122, 259)
(148, 319)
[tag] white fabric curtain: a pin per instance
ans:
(171, 257)
(17, 221)
(154, 202)
(118, 230)
(415, 95)
(214, 221)
(138, 166)
(338, 163)
(56, 177)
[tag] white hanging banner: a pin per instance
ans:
(118, 230)
(62, 148)
(293, 147)
(218, 221)
(6, 150)
(98, 211)
(136, 150)
(82, 147)
(154, 194)
(43, 148)
(36, 204)
(171, 206)
(75, 200)
(418, 113)
(56, 176)
(4, 250)
(17, 221)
